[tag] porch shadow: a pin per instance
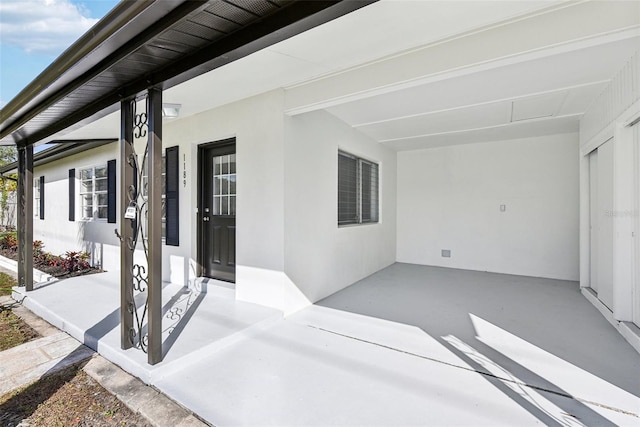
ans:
(179, 310)
(24, 403)
(98, 331)
(516, 383)
(549, 314)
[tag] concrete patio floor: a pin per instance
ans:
(409, 345)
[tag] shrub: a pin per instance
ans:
(9, 241)
(75, 261)
(37, 247)
(71, 261)
(43, 258)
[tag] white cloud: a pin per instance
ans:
(42, 26)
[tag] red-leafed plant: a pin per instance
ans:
(9, 241)
(75, 261)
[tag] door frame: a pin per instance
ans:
(202, 148)
(635, 292)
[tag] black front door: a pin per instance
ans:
(217, 210)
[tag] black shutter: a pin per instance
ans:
(42, 197)
(72, 194)
(172, 184)
(111, 191)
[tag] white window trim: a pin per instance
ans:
(94, 193)
(36, 198)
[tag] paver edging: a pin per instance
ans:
(131, 391)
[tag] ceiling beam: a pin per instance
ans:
(479, 104)
(556, 30)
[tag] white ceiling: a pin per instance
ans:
(527, 85)
(555, 89)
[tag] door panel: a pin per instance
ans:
(636, 228)
(605, 224)
(218, 207)
(593, 218)
(231, 254)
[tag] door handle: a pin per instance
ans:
(206, 218)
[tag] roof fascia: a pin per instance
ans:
(294, 19)
(128, 26)
(64, 148)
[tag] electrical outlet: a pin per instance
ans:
(446, 253)
(503, 208)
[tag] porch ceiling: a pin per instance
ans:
(422, 74)
(531, 76)
(157, 43)
(415, 75)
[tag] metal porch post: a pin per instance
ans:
(25, 217)
(127, 304)
(154, 144)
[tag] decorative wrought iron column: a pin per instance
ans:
(128, 190)
(25, 217)
(154, 145)
(141, 226)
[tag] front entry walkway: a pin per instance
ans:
(409, 345)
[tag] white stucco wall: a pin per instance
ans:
(289, 250)
(450, 197)
(257, 125)
(56, 231)
(320, 257)
(95, 236)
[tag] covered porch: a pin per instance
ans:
(408, 345)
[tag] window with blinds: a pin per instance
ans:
(357, 190)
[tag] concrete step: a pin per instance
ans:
(213, 287)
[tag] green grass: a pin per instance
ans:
(6, 283)
(13, 330)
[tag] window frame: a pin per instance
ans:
(94, 193)
(374, 177)
(36, 198)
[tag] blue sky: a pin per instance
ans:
(33, 33)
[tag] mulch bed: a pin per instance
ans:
(55, 271)
(67, 398)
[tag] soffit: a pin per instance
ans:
(372, 32)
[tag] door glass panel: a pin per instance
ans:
(224, 185)
(225, 164)
(225, 206)
(232, 205)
